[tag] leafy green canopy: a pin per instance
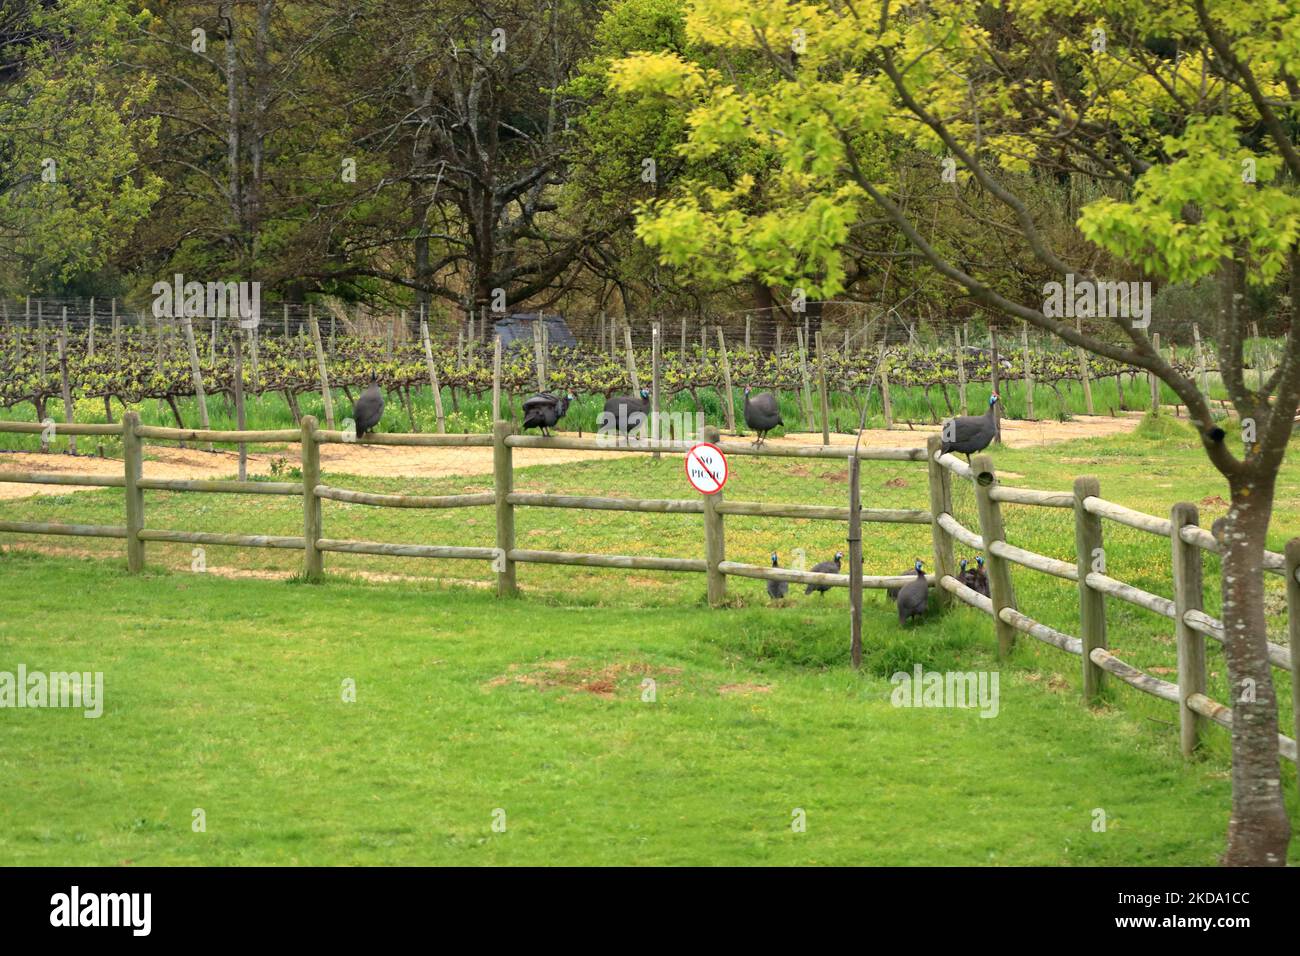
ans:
(1005, 83)
(70, 136)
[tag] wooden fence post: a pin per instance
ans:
(1201, 371)
(1191, 644)
(241, 421)
(1152, 382)
(940, 503)
(855, 561)
(133, 460)
(807, 404)
(729, 403)
(1085, 374)
(1092, 603)
(1256, 358)
(321, 371)
(654, 384)
(503, 474)
(496, 379)
(539, 362)
(715, 548)
(631, 361)
(886, 404)
(434, 384)
(64, 382)
(999, 569)
(961, 375)
(313, 558)
(821, 389)
(1029, 371)
(196, 373)
(1293, 626)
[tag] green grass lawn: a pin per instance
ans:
(224, 692)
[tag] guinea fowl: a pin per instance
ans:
(544, 410)
(1219, 529)
(762, 414)
(962, 575)
(369, 408)
(825, 567)
(971, 433)
(777, 589)
(619, 410)
(914, 597)
(979, 579)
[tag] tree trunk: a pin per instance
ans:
(1259, 830)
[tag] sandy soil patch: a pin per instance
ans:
(168, 461)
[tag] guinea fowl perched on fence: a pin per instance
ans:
(369, 408)
(619, 410)
(777, 589)
(544, 410)
(971, 433)
(761, 414)
(825, 567)
(914, 597)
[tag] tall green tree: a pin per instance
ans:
(1184, 114)
(72, 128)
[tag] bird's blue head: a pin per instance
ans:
(918, 565)
(964, 562)
(993, 399)
(773, 559)
(979, 561)
(839, 555)
(645, 393)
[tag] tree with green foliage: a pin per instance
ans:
(72, 129)
(1181, 116)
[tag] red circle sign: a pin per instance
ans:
(706, 468)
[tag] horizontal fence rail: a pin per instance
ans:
(1187, 540)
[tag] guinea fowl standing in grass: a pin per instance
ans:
(825, 567)
(914, 597)
(964, 575)
(971, 433)
(761, 414)
(619, 410)
(777, 589)
(544, 410)
(1219, 529)
(369, 408)
(979, 579)
(892, 593)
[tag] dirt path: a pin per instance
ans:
(168, 461)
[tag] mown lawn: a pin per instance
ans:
(223, 693)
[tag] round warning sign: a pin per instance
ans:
(706, 468)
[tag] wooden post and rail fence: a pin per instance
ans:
(1188, 541)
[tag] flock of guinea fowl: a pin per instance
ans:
(625, 413)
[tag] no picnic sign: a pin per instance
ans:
(706, 468)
